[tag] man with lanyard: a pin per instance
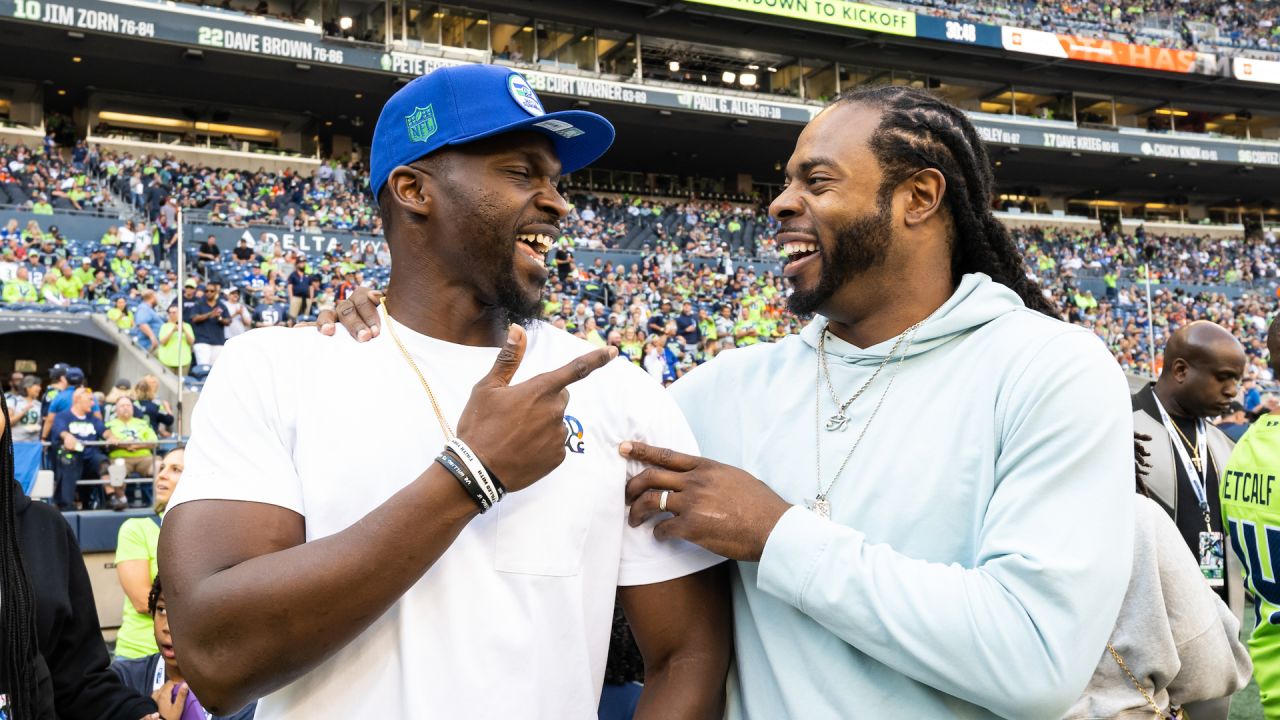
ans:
(390, 587)
(1203, 366)
(1250, 497)
(970, 561)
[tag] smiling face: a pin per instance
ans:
(496, 212)
(836, 223)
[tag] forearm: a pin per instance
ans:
(227, 658)
(1027, 625)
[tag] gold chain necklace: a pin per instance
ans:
(1152, 703)
(391, 325)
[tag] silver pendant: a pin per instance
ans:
(820, 506)
(837, 422)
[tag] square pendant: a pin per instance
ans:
(820, 506)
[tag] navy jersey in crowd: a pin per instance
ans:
(270, 313)
(86, 429)
(208, 331)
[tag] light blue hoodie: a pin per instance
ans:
(982, 532)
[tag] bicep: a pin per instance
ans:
(246, 530)
(687, 614)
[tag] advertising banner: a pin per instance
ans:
(1011, 133)
(831, 12)
(1118, 53)
(1254, 70)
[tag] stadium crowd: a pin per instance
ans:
(677, 302)
(1241, 24)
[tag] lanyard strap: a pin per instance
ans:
(158, 681)
(1193, 473)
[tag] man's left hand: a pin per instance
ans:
(725, 510)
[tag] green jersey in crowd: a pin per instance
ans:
(1251, 513)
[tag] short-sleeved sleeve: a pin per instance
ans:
(240, 447)
(645, 559)
(131, 542)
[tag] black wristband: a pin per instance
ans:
(458, 470)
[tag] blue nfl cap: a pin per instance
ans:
(462, 104)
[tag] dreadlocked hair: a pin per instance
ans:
(919, 130)
(17, 609)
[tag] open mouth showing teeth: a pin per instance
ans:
(540, 243)
(796, 251)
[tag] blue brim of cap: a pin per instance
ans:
(587, 138)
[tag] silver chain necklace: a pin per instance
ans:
(820, 504)
(840, 421)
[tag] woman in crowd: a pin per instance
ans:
(156, 413)
(175, 347)
(53, 663)
(136, 564)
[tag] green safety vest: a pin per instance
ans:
(1250, 494)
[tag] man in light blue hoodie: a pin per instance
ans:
(928, 489)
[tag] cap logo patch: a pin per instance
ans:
(421, 123)
(524, 95)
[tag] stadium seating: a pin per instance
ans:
(1184, 24)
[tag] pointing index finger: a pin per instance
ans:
(659, 456)
(577, 369)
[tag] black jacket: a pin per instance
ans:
(76, 682)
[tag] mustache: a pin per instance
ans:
(797, 229)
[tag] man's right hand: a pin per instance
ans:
(518, 431)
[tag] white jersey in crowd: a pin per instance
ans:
(513, 621)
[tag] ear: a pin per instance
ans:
(925, 191)
(410, 190)
(1179, 369)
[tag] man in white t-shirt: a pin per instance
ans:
(343, 570)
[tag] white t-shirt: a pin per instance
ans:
(513, 621)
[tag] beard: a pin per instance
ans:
(858, 246)
(518, 304)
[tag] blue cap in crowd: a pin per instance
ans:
(75, 375)
(464, 103)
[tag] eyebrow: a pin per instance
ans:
(810, 164)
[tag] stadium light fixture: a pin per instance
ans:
(1172, 111)
(728, 77)
(704, 77)
(345, 22)
(747, 79)
(772, 69)
(62, 92)
(75, 59)
(753, 67)
(359, 96)
(673, 66)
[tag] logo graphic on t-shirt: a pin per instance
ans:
(524, 95)
(574, 435)
(421, 123)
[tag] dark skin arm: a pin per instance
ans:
(683, 627)
(317, 596)
(684, 631)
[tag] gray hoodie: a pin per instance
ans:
(1174, 633)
